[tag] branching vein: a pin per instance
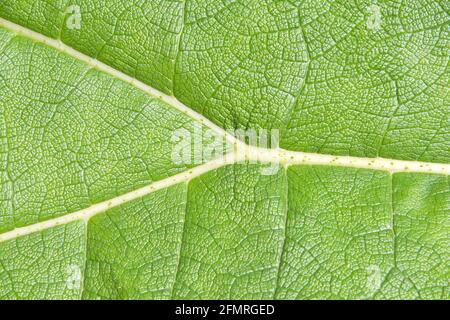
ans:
(241, 152)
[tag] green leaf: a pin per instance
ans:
(355, 203)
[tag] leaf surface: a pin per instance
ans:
(92, 204)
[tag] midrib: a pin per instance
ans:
(241, 152)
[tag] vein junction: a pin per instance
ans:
(241, 153)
